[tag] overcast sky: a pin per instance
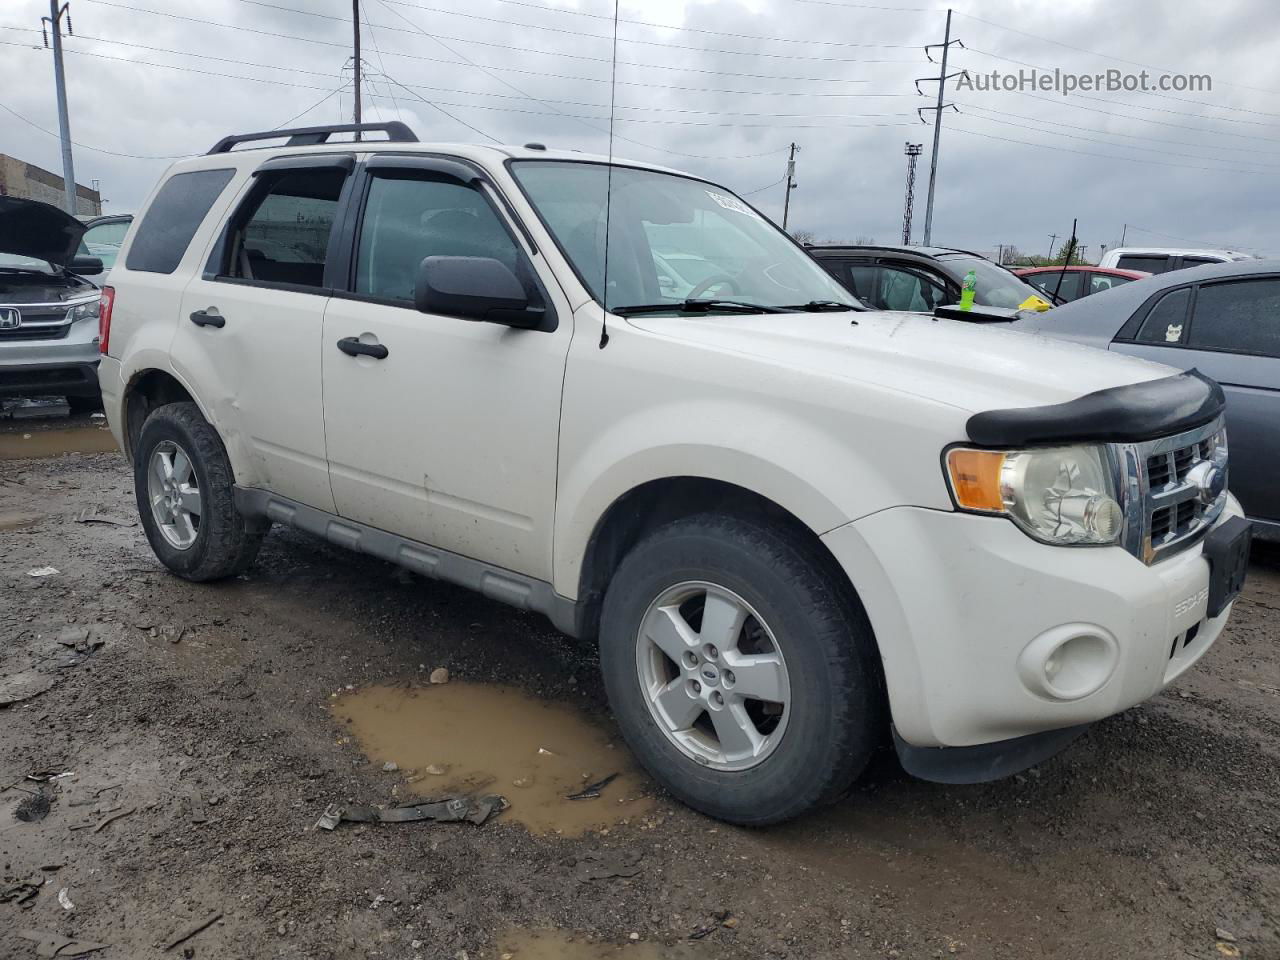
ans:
(721, 96)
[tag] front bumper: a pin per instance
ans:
(967, 611)
(65, 366)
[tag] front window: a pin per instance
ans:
(671, 239)
(997, 287)
(103, 241)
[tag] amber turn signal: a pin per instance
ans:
(975, 479)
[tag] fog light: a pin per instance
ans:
(1069, 662)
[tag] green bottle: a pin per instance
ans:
(966, 290)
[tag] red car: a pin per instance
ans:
(1078, 281)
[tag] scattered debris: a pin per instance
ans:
(331, 817)
(477, 810)
(607, 864)
(43, 572)
(592, 790)
(45, 776)
(111, 817)
(173, 632)
(1227, 949)
(194, 804)
(64, 898)
(81, 642)
(439, 675)
(522, 782)
(95, 513)
(720, 918)
(23, 894)
(1226, 935)
(191, 929)
(23, 686)
(56, 945)
(34, 808)
(390, 767)
(435, 769)
(544, 752)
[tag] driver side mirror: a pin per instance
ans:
(85, 265)
(476, 288)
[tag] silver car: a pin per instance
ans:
(48, 311)
(1223, 320)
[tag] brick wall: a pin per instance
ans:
(21, 179)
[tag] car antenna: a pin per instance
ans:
(608, 190)
(1071, 249)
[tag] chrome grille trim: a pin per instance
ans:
(1164, 505)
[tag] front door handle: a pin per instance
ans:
(209, 318)
(353, 347)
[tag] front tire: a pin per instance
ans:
(184, 485)
(742, 672)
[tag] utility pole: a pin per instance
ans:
(791, 185)
(941, 79)
(355, 25)
(913, 151)
(1123, 234)
(1053, 241)
(54, 22)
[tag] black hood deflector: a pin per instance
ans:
(29, 228)
(1127, 414)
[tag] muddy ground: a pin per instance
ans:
(199, 769)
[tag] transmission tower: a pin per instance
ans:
(912, 151)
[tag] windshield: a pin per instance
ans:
(997, 287)
(11, 261)
(671, 239)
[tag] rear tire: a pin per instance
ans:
(185, 485)
(800, 673)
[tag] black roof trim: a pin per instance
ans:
(396, 132)
(1125, 414)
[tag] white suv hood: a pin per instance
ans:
(972, 366)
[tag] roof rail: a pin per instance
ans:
(396, 132)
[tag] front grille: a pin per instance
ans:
(34, 333)
(1168, 506)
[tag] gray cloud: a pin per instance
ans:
(849, 114)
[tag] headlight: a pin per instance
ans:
(1059, 495)
(84, 311)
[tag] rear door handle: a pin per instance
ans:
(353, 347)
(209, 318)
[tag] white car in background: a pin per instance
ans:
(1164, 259)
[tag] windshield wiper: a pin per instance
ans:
(698, 306)
(821, 306)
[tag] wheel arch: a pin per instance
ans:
(147, 390)
(646, 506)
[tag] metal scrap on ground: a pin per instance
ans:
(477, 810)
(592, 790)
(191, 929)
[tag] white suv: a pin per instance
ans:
(794, 527)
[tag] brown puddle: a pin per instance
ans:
(17, 520)
(557, 945)
(465, 738)
(53, 443)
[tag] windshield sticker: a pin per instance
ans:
(732, 203)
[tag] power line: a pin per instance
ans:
(1104, 156)
(1105, 143)
(298, 116)
(436, 106)
(767, 186)
(606, 37)
(411, 56)
(85, 146)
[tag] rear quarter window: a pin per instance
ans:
(173, 218)
(1152, 264)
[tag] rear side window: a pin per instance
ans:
(1240, 317)
(1167, 319)
(1048, 282)
(1198, 261)
(173, 218)
(1156, 264)
(284, 229)
(1099, 282)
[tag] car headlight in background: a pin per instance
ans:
(1059, 495)
(84, 311)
